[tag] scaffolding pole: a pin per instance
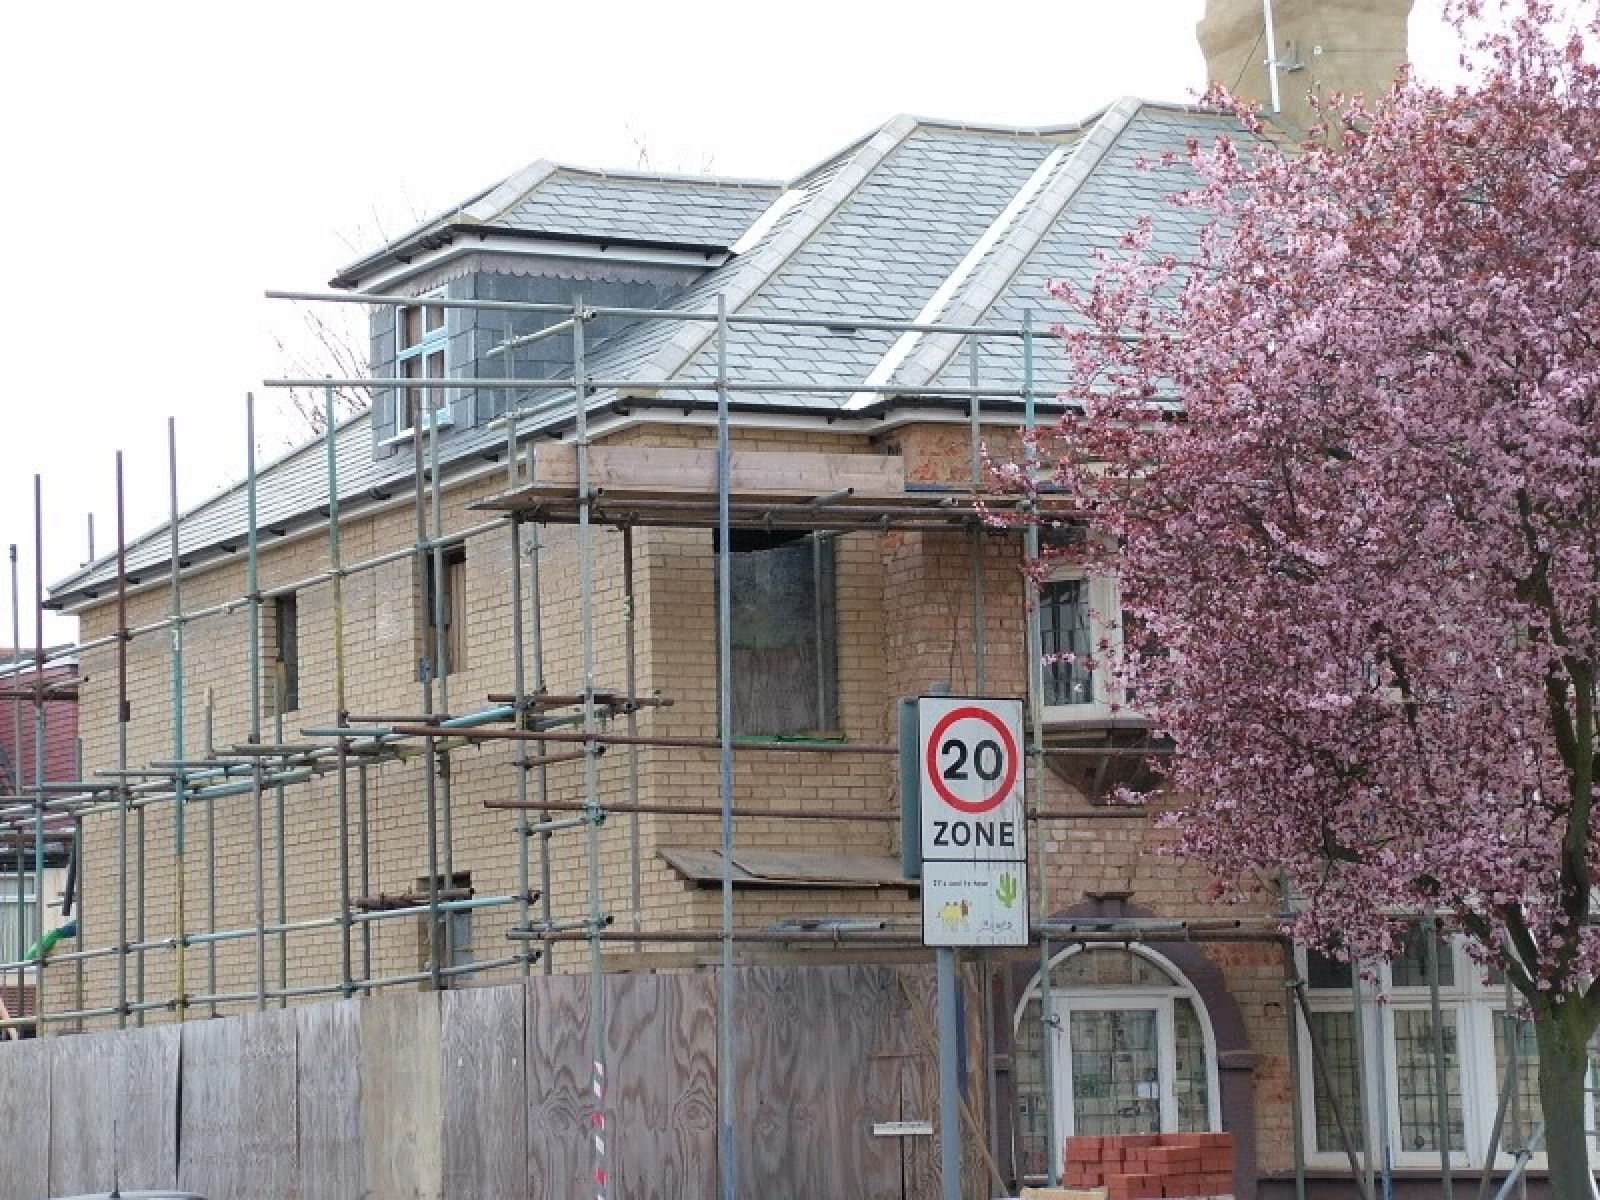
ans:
(726, 1074)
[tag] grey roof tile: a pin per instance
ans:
(875, 231)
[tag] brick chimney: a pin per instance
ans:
(1322, 46)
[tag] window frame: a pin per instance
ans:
(1104, 596)
(30, 909)
(1476, 1005)
(431, 342)
(1123, 997)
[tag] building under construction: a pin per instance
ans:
(547, 714)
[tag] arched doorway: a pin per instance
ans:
(1131, 1045)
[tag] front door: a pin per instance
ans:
(1112, 1057)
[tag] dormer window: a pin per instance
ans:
(422, 346)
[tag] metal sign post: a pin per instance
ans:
(965, 790)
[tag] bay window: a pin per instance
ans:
(1383, 1033)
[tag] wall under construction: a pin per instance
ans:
(241, 858)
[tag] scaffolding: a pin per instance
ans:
(547, 729)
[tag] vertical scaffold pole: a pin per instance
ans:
(1441, 1078)
(414, 402)
(253, 588)
(536, 648)
(980, 679)
(341, 707)
(1036, 699)
(179, 782)
(16, 773)
(124, 796)
(364, 854)
(1291, 980)
(631, 686)
(519, 681)
(726, 1146)
(443, 605)
(1364, 1081)
(591, 762)
(38, 744)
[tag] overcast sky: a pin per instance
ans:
(165, 163)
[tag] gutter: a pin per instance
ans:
(444, 235)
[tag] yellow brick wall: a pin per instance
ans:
(905, 621)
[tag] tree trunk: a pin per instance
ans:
(1562, 1031)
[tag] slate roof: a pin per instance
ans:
(921, 220)
(556, 200)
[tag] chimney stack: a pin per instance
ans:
(1320, 46)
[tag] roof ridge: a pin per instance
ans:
(676, 177)
(928, 354)
(961, 126)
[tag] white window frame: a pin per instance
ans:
(1131, 997)
(8, 907)
(433, 341)
(1105, 597)
(1476, 1005)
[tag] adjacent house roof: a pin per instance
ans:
(922, 220)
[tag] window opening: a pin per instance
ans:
(785, 652)
(454, 583)
(286, 654)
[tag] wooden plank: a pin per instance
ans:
(146, 1080)
(661, 1102)
(558, 1058)
(484, 1085)
(401, 1105)
(328, 1084)
(919, 1078)
(113, 1111)
(238, 1139)
(83, 1115)
(756, 473)
(866, 1082)
(785, 1079)
(25, 1117)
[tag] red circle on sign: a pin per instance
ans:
(931, 765)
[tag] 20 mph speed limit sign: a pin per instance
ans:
(974, 844)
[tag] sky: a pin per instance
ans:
(165, 163)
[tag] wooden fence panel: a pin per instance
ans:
(328, 1084)
(401, 1111)
(25, 1117)
(558, 1064)
(485, 1097)
(239, 1112)
(113, 1111)
(661, 1095)
(661, 1086)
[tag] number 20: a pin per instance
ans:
(987, 759)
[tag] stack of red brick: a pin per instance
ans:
(1148, 1166)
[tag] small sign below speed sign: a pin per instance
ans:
(974, 840)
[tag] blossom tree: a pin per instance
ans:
(1350, 457)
